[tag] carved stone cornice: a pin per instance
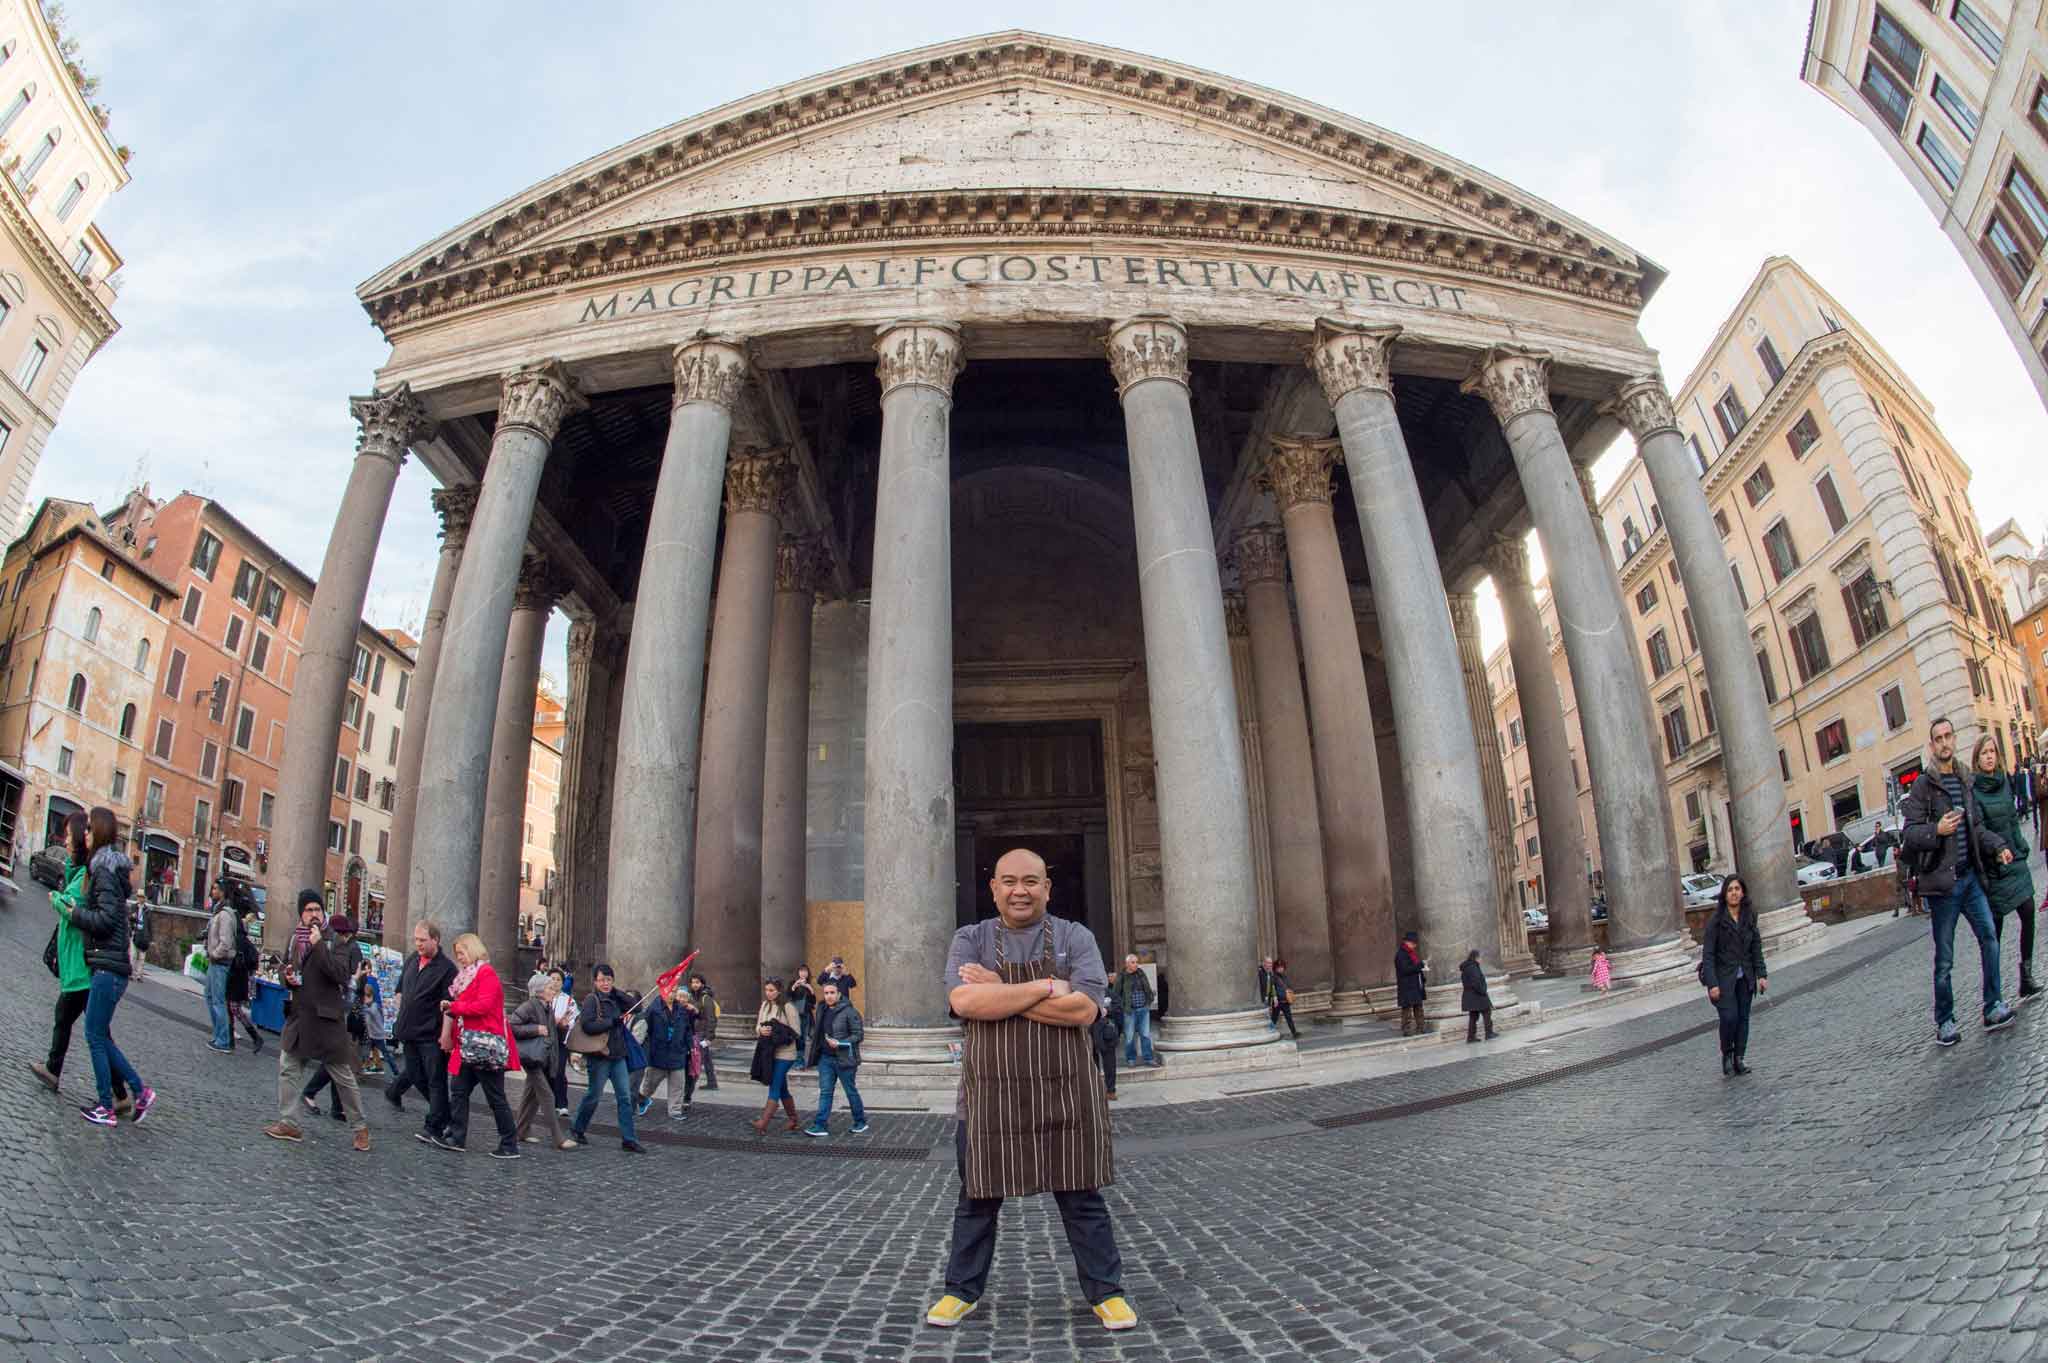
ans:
(800, 564)
(456, 505)
(1507, 561)
(1234, 622)
(1644, 406)
(1261, 554)
(1348, 358)
(539, 586)
(1297, 470)
(1149, 346)
(537, 397)
(759, 481)
(924, 353)
(389, 423)
(1514, 380)
(710, 369)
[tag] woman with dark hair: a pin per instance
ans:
(102, 919)
(73, 979)
(804, 995)
(1476, 1000)
(1281, 996)
(1732, 968)
(243, 967)
(775, 1054)
(2008, 888)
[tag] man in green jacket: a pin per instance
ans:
(73, 979)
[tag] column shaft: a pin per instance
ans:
(788, 757)
(298, 848)
(1301, 900)
(578, 920)
(1439, 758)
(1763, 854)
(1514, 934)
(649, 910)
(1567, 895)
(498, 868)
(727, 890)
(456, 505)
(1204, 826)
(909, 836)
(1621, 755)
(454, 770)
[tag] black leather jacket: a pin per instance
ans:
(1926, 801)
(102, 916)
(1732, 947)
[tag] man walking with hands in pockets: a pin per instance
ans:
(1033, 1117)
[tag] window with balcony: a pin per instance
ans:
(1830, 502)
(1758, 485)
(1809, 648)
(1831, 741)
(1729, 412)
(1779, 549)
(1660, 654)
(1677, 737)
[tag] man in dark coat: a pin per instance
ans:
(1954, 854)
(318, 1032)
(1476, 1001)
(422, 987)
(1409, 990)
(671, 1036)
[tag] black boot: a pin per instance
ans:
(1727, 1063)
(2028, 989)
(1740, 1068)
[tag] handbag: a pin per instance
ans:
(50, 952)
(587, 1043)
(484, 1050)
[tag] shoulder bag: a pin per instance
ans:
(484, 1050)
(50, 953)
(587, 1043)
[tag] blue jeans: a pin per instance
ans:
(1966, 901)
(1137, 1029)
(830, 1071)
(601, 1071)
(778, 1082)
(107, 1061)
(217, 1005)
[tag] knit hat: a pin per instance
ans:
(1410, 937)
(341, 925)
(310, 896)
(601, 968)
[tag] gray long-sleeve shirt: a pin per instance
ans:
(1075, 958)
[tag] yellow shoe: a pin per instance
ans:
(1115, 1314)
(951, 1311)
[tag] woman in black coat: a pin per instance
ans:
(1476, 1002)
(1732, 968)
(102, 920)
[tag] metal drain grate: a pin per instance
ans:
(1588, 1066)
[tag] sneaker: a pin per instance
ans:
(144, 1101)
(561, 1112)
(99, 1116)
(633, 1147)
(1116, 1314)
(641, 1110)
(312, 1104)
(442, 1143)
(501, 1153)
(816, 1131)
(574, 1142)
(423, 1137)
(949, 1312)
(1947, 1035)
(124, 1105)
(568, 1144)
(44, 1073)
(1112, 1095)
(361, 1143)
(283, 1131)
(224, 1050)
(531, 1140)
(859, 1129)
(1999, 1018)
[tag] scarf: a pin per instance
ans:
(463, 978)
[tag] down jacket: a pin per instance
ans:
(102, 916)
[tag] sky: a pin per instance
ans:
(285, 152)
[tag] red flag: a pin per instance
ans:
(669, 977)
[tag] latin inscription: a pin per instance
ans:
(1022, 270)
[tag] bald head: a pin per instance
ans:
(1021, 885)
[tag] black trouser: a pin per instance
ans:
(1472, 1023)
(1089, 1235)
(1273, 1016)
(492, 1082)
(426, 1069)
(558, 1078)
(70, 1008)
(1733, 1006)
(1105, 1056)
(2025, 914)
(323, 1079)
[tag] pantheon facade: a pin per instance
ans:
(1023, 442)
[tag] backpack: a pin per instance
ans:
(246, 958)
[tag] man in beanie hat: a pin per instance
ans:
(312, 908)
(318, 1031)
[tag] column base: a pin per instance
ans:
(1346, 1004)
(1310, 1003)
(1789, 925)
(1565, 961)
(1520, 965)
(1213, 1031)
(1652, 964)
(1445, 1001)
(910, 1045)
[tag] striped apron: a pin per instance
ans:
(1037, 1120)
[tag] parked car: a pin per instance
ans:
(47, 866)
(1824, 847)
(1702, 889)
(1535, 918)
(1812, 872)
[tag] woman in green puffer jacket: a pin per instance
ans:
(72, 977)
(2010, 887)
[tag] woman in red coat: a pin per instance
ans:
(476, 1016)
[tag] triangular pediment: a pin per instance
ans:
(1012, 114)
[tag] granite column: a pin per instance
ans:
(798, 563)
(1514, 934)
(498, 869)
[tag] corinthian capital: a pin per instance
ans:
(710, 369)
(1464, 618)
(1234, 621)
(1643, 406)
(800, 561)
(1297, 470)
(457, 507)
(1347, 357)
(1514, 380)
(537, 397)
(1148, 347)
(923, 353)
(757, 482)
(1262, 554)
(539, 585)
(1507, 559)
(390, 423)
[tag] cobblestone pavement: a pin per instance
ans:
(1863, 1195)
